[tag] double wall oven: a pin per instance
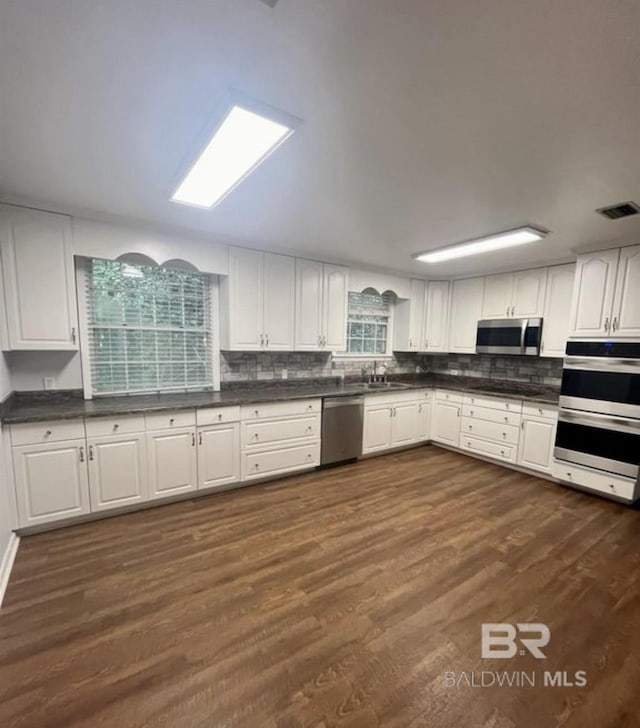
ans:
(599, 416)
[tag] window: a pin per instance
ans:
(368, 323)
(148, 328)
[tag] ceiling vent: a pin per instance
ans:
(622, 209)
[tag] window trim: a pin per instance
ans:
(82, 264)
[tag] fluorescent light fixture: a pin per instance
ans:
(243, 140)
(487, 244)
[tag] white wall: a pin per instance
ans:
(28, 369)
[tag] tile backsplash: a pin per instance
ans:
(532, 369)
(236, 366)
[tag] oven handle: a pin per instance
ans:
(603, 364)
(604, 422)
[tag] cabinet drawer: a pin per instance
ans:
(498, 403)
(34, 433)
(261, 433)
(170, 420)
(613, 485)
(491, 430)
(446, 395)
(383, 397)
(540, 410)
(491, 449)
(126, 425)
(492, 415)
(280, 409)
(217, 415)
(261, 464)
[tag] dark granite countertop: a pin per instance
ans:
(37, 407)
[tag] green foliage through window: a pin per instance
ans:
(149, 328)
(367, 323)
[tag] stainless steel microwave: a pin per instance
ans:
(509, 336)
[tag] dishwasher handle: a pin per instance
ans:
(342, 402)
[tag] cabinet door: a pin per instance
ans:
(37, 262)
(408, 323)
(117, 471)
(279, 302)
(218, 455)
(592, 299)
(498, 295)
(51, 481)
(404, 424)
(446, 423)
(309, 285)
(424, 420)
(377, 429)
(537, 438)
(466, 311)
(172, 462)
(626, 307)
(245, 300)
(557, 310)
(335, 307)
(528, 293)
(437, 316)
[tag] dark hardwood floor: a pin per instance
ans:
(337, 598)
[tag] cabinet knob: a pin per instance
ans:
(47, 433)
(219, 417)
(256, 413)
(115, 427)
(470, 427)
(506, 419)
(172, 420)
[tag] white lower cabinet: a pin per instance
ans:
(537, 439)
(51, 481)
(404, 424)
(446, 418)
(172, 461)
(424, 418)
(218, 455)
(117, 471)
(376, 434)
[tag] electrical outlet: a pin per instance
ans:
(284, 374)
(49, 382)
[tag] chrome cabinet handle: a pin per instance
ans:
(615, 323)
(193, 439)
(507, 310)
(81, 454)
(606, 324)
(513, 310)
(73, 335)
(199, 438)
(266, 339)
(90, 452)
(261, 339)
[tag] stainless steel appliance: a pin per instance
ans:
(599, 417)
(509, 336)
(342, 421)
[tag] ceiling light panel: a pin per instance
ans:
(243, 140)
(487, 244)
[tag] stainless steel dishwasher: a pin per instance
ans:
(342, 419)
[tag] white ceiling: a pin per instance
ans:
(425, 121)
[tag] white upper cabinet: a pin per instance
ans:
(497, 296)
(408, 322)
(436, 316)
(334, 307)
(557, 308)
(39, 285)
(279, 302)
(466, 311)
(626, 302)
(528, 293)
(258, 302)
(514, 295)
(321, 306)
(592, 303)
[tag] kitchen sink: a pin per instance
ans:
(382, 385)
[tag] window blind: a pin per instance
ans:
(149, 328)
